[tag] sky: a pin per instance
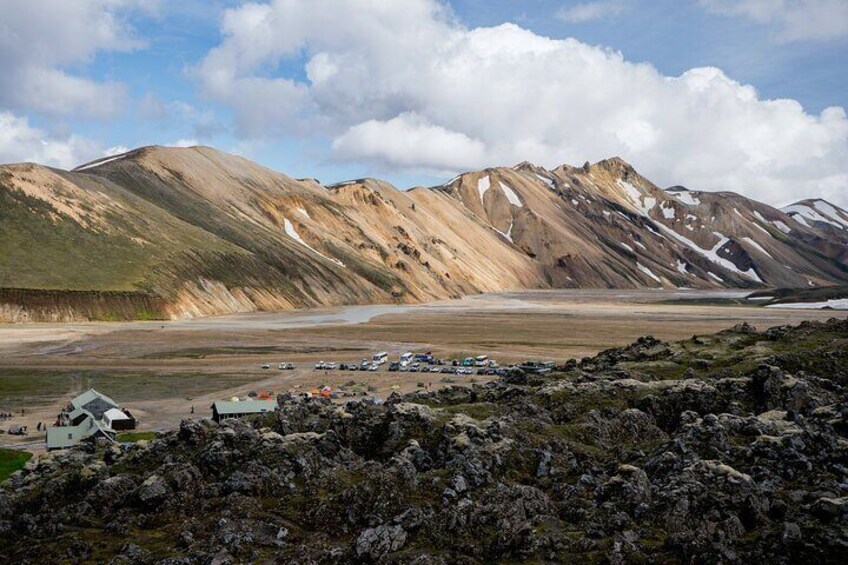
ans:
(741, 95)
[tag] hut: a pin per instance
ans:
(62, 437)
(223, 409)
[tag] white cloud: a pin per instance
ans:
(202, 123)
(21, 142)
(408, 140)
(116, 150)
(588, 11)
(41, 40)
(793, 20)
(184, 143)
(406, 86)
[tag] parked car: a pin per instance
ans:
(285, 366)
(266, 365)
(374, 367)
(319, 365)
(394, 366)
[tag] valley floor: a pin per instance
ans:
(160, 370)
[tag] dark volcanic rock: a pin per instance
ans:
(726, 449)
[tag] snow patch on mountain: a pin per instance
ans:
(782, 227)
(756, 246)
(687, 198)
(713, 254)
(648, 272)
(508, 233)
(820, 211)
(292, 233)
(545, 180)
(100, 162)
(483, 185)
(510, 195)
(836, 304)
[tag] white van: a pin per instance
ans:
(380, 358)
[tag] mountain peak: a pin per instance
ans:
(232, 235)
(615, 165)
(817, 212)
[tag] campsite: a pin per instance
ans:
(162, 371)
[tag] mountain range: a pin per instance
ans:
(184, 232)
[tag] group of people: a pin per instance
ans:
(6, 415)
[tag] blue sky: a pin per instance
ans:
(329, 103)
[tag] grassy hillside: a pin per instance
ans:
(43, 248)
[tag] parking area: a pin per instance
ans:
(409, 362)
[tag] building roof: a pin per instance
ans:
(59, 437)
(115, 414)
(89, 395)
(76, 412)
(228, 407)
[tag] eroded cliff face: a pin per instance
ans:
(23, 306)
(211, 233)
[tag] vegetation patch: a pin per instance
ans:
(12, 460)
(132, 437)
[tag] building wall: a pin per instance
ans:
(123, 424)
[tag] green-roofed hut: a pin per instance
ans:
(223, 409)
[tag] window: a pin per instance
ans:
(70, 436)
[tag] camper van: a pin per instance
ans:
(379, 358)
(406, 359)
(481, 361)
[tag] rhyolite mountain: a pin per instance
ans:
(181, 232)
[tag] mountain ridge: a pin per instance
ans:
(210, 233)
